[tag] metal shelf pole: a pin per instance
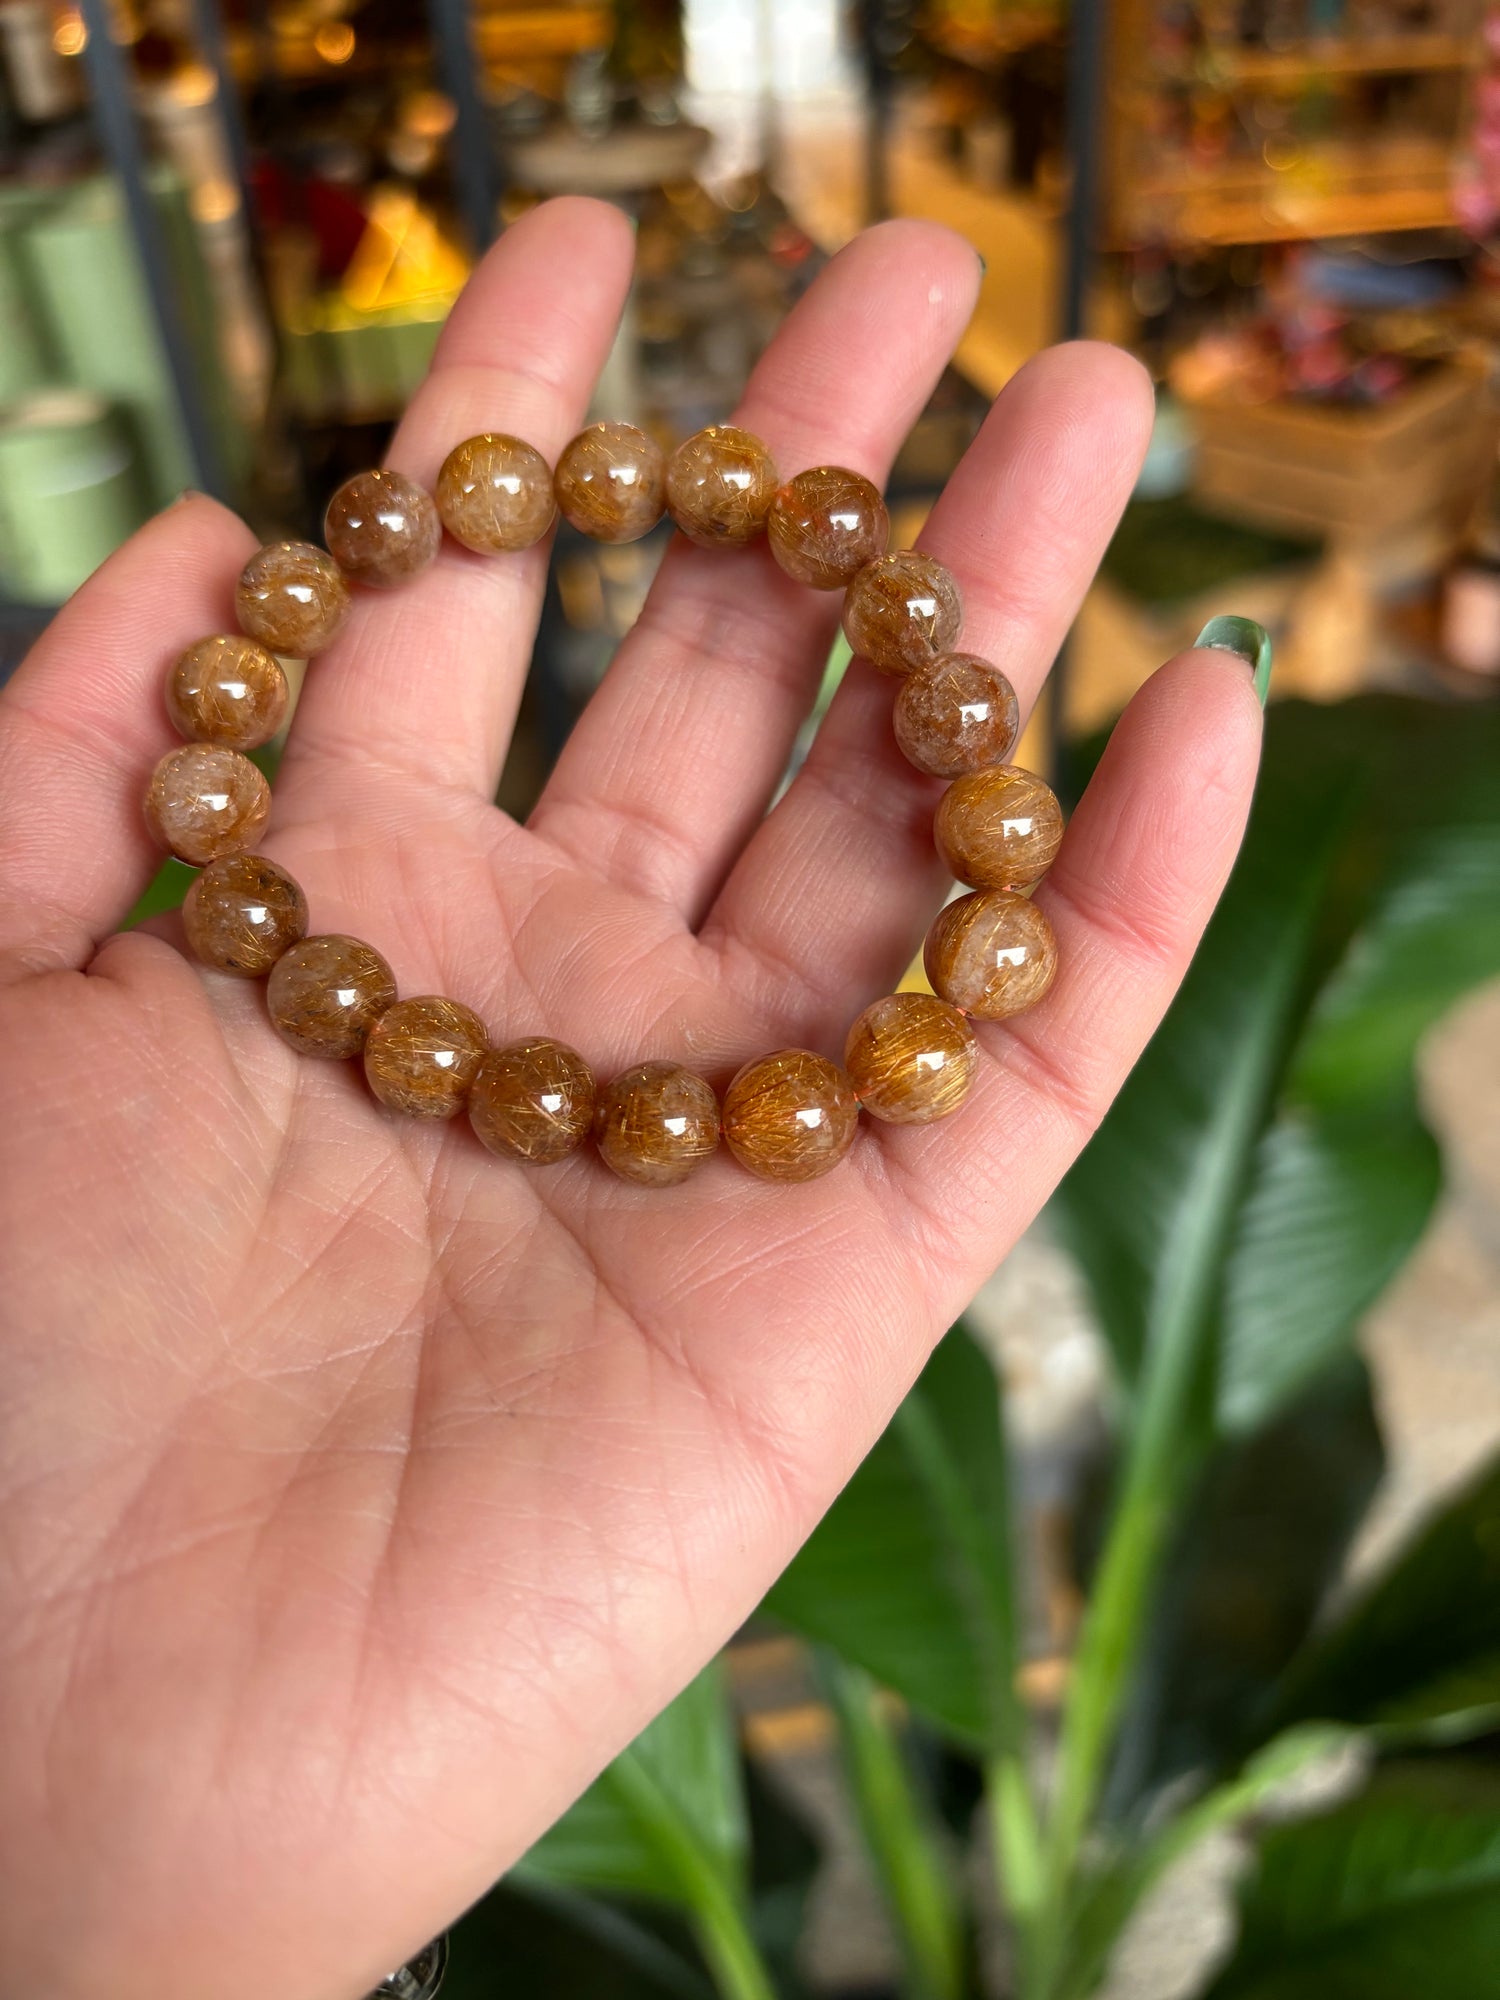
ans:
(476, 179)
(114, 118)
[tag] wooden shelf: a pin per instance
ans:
(1334, 191)
(1345, 183)
(1227, 67)
(1284, 216)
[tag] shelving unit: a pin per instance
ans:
(1236, 141)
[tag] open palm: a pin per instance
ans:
(363, 1493)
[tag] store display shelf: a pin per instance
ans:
(1225, 67)
(513, 36)
(1283, 215)
(1329, 191)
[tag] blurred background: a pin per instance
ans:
(229, 233)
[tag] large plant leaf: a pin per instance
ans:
(675, 1793)
(1395, 1894)
(903, 1836)
(1256, 1553)
(1330, 1213)
(1423, 1640)
(540, 1942)
(1432, 934)
(1266, 1155)
(535, 1938)
(909, 1574)
(1151, 1205)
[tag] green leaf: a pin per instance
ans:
(540, 1942)
(667, 1820)
(1332, 1211)
(1261, 1543)
(903, 1837)
(909, 1572)
(1151, 1206)
(1394, 1894)
(1433, 934)
(1423, 1640)
(1366, 900)
(683, 1764)
(1208, 1213)
(1123, 1870)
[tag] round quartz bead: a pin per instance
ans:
(790, 1116)
(611, 482)
(720, 485)
(901, 609)
(326, 993)
(228, 691)
(494, 493)
(382, 528)
(533, 1100)
(422, 1055)
(242, 913)
(656, 1123)
(204, 802)
(826, 524)
(956, 714)
(992, 953)
(998, 829)
(911, 1057)
(292, 598)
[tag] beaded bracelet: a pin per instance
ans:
(788, 1116)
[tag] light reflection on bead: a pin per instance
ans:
(911, 1057)
(227, 690)
(992, 953)
(494, 493)
(422, 1055)
(956, 714)
(533, 1100)
(720, 483)
(656, 1123)
(242, 913)
(204, 802)
(790, 1116)
(382, 528)
(292, 597)
(901, 609)
(998, 829)
(326, 993)
(826, 524)
(611, 482)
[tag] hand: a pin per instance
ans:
(362, 1493)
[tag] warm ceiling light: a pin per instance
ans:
(334, 41)
(70, 37)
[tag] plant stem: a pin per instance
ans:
(1017, 1842)
(1180, 1321)
(900, 1833)
(717, 1909)
(1100, 1916)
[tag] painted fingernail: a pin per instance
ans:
(1243, 636)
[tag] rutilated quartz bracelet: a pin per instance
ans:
(790, 1115)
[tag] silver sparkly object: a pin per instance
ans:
(420, 1977)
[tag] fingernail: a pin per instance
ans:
(187, 493)
(984, 263)
(1252, 642)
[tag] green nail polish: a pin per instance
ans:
(1252, 642)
